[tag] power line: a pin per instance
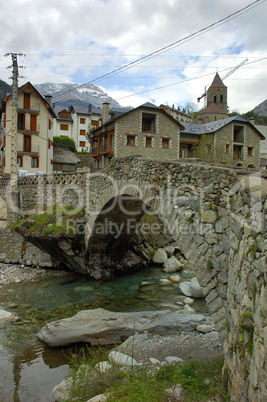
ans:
(181, 82)
(170, 46)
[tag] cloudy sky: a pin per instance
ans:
(79, 41)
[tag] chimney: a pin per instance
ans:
(48, 99)
(105, 113)
(90, 108)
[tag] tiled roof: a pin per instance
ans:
(212, 108)
(64, 155)
(217, 82)
(212, 127)
(149, 104)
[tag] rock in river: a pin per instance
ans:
(102, 327)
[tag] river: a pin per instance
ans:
(29, 369)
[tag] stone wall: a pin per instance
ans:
(246, 319)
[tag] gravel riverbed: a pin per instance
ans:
(15, 273)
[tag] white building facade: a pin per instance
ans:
(34, 131)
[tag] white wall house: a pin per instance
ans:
(34, 131)
(75, 122)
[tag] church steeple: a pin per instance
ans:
(217, 93)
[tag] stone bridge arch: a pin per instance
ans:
(204, 209)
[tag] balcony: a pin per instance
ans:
(27, 128)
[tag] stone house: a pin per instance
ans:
(147, 130)
(233, 141)
(177, 114)
(75, 122)
(34, 131)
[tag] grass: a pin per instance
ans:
(53, 221)
(201, 381)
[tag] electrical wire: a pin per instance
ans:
(170, 46)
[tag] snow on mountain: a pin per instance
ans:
(70, 94)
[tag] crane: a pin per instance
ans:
(224, 77)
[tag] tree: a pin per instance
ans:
(65, 141)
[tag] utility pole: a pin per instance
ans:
(14, 120)
(13, 195)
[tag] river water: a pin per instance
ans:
(29, 369)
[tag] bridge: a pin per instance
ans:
(214, 214)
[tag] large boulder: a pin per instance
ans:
(196, 289)
(5, 318)
(102, 327)
(185, 288)
(172, 265)
(160, 256)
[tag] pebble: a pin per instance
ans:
(16, 273)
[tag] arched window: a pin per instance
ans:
(215, 98)
(221, 98)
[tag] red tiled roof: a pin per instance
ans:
(212, 108)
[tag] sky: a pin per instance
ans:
(79, 41)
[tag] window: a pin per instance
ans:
(95, 123)
(149, 142)
(27, 143)
(64, 114)
(21, 121)
(27, 101)
(20, 161)
(221, 98)
(215, 98)
(131, 140)
(35, 162)
(227, 148)
(33, 122)
(250, 151)
(165, 143)
(82, 143)
(82, 132)
(148, 123)
(239, 134)
(64, 127)
(82, 120)
(208, 148)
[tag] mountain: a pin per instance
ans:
(4, 89)
(261, 109)
(74, 94)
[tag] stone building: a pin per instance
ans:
(146, 131)
(232, 141)
(34, 131)
(177, 113)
